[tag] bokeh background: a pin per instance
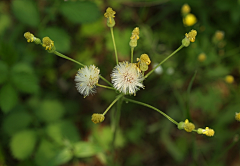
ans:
(46, 122)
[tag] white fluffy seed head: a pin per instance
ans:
(127, 78)
(86, 80)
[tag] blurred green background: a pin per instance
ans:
(46, 122)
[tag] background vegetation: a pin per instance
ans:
(46, 122)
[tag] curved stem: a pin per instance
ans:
(114, 45)
(70, 59)
(147, 105)
(179, 48)
(132, 48)
(107, 87)
(114, 101)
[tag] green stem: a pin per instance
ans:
(114, 45)
(70, 59)
(132, 48)
(114, 101)
(179, 48)
(147, 105)
(107, 87)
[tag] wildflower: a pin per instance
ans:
(127, 78)
(110, 14)
(48, 43)
(134, 37)
(185, 9)
(97, 118)
(207, 131)
(143, 62)
(86, 79)
(189, 20)
(187, 126)
(202, 57)
(189, 37)
(31, 38)
(237, 116)
(229, 79)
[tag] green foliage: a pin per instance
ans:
(3, 71)
(26, 12)
(80, 11)
(50, 111)
(23, 143)
(16, 121)
(85, 149)
(8, 98)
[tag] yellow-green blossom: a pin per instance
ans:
(48, 43)
(134, 37)
(187, 126)
(29, 36)
(110, 14)
(97, 118)
(207, 131)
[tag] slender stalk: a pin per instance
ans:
(147, 105)
(70, 59)
(107, 87)
(132, 48)
(114, 101)
(179, 48)
(114, 44)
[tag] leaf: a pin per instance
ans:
(50, 110)
(3, 71)
(22, 144)
(8, 53)
(49, 154)
(24, 79)
(8, 98)
(59, 36)
(80, 11)
(26, 12)
(62, 131)
(16, 121)
(85, 149)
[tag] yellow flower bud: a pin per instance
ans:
(202, 57)
(48, 43)
(189, 127)
(134, 37)
(185, 9)
(191, 35)
(207, 131)
(229, 79)
(237, 116)
(189, 20)
(97, 118)
(30, 37)
(110, 14)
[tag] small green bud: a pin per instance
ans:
(133, 43)
(37, 41)
(185, 42)
(181, 125)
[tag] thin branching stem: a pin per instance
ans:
(114, 45)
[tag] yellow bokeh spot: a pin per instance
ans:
(202, 57)
(189, 20)
(237, 116)
(185, 9)
(229, 79)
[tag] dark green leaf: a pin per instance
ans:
(8, 53)
(3, 71)
(26, 12)
(16, 121)
(8, 98)
(22, 144)
(80, 11)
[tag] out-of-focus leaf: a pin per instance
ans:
(63, 131)
(8, 98)
(50, 110)
(80, 11)
(5, 22)
(26, 12)
(22, 144)
(85, 149)
(49, 154)
(217, 72)
(3, 71)
(16, 121)
(8, 53)
(24, 79)
(92, 29)
(59, 36)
